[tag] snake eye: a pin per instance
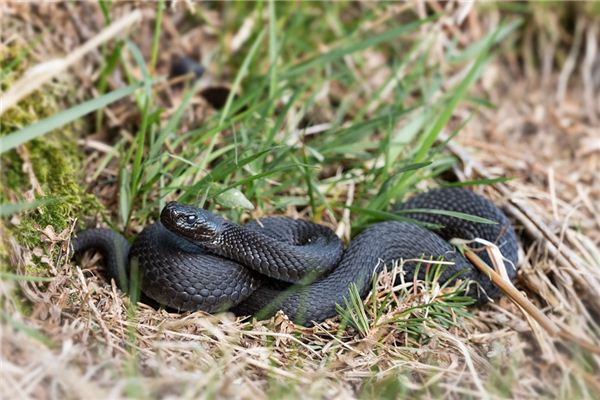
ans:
(190, 219)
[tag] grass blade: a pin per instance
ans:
(455, 214)
(478, 182)
(387, 216)
(358, 45)
(157, 29)
(7, 276)
(15, 208)
(62, 118)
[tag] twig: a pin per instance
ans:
(525, 304)
(531, 221)
(570, 63)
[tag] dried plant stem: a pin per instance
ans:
(570, 62)
(531, 221)
(526, 305)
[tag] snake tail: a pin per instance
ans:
(112, 246)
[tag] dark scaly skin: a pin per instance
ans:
(384, 243)
(187, 276)
(501, 234)
(284, 254)
(114, 248)
(362, 259)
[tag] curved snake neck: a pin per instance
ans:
(204, 262)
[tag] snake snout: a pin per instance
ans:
(191, 222)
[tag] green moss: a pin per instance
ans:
(52, 162)
(56, 166)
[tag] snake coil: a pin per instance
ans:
(196, 260)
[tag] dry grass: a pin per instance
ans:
(78, 337)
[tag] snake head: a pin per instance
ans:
(196, 224)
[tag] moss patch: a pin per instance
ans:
(47, 168)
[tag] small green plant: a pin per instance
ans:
(436, 304)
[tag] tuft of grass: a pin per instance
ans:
(412, 308)
(252, 142)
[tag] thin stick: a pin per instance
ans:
(525, 304)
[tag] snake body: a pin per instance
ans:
(195, 260)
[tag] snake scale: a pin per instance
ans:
(196, 260)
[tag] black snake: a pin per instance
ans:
(196, 260)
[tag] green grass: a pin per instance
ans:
(253, 153)
(442, 311)
(251, 142)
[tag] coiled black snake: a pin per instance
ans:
(196, 260)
